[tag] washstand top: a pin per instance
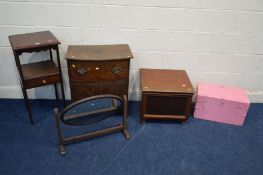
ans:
(33, 40)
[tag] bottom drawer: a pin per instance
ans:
(83, 90)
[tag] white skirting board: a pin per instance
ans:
(47, 92)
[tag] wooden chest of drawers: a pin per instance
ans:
(98, 69)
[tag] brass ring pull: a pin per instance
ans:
(116, 70)
(81, 71)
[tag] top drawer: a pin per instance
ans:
(98, 71)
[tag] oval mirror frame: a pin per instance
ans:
(67, 119)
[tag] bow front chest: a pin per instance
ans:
(98, 69)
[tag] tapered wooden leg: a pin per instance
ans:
(55, 85)
(56, 91)
(60, 141)
(18, 65)
(125, 112)
(62, 92)
(61, 79)
(27, 106)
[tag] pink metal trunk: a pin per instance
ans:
(221, 104)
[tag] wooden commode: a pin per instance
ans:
(166, 94)
(98, 69)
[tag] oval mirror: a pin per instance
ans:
(91, 110)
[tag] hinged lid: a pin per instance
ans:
(99, 52)
(32, 40)
(222, 92)
(161, 80)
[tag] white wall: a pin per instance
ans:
(218, 41)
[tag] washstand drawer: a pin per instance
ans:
(98, 71)
(41, 81)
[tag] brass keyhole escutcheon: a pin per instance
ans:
(73, 66)
(44, 81)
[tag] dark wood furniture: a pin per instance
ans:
(98, 69)
(92, 110)
(38, 73)
(166, 94)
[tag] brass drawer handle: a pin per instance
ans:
(81, 71)
(44, 81)
(116, 70)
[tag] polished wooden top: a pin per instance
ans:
(99, 52)
(32, 40)
(168, 81)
